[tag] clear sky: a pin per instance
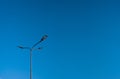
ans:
(83, 42)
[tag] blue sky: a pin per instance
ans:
(83, 43)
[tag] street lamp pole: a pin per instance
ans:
(31, 64)
(31, 49)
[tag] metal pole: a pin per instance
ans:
(30, 63)
(31, 49)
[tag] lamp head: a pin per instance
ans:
(20, 47)
(43, 38)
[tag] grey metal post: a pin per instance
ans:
(30, 63)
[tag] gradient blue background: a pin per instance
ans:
(83, 43)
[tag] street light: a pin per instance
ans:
(31, 49)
